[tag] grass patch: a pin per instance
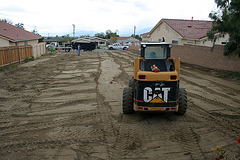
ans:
(231, 75)
(2, 69)
(29, 59)
(52, 51)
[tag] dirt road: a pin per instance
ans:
(68, 107)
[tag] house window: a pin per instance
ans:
(174, 42)
(16, 43)
(224, 42)
(25, 42)
(190, 43)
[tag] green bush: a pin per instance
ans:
(52, 51)
(28, 59)
(2, 69)
(231, 75)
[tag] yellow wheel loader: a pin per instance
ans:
(155, 84)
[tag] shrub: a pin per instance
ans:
(28, 59)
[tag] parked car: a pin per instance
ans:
(117, 46)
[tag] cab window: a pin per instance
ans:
(155, 52)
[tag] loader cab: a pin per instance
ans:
(156, 54)
(156, 50)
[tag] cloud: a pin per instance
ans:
(57, 17)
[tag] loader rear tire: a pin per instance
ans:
(182, 105)
(127, 104)
(131, 83)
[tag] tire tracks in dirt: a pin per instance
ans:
(217, 105)
(230, 125)
(189, 141)
(127, 139)
(108, 128)
(45, 121)
(24, 120)
(210, 90)
(227, 88)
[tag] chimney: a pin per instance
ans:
(192, 19)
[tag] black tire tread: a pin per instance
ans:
(127, 104)
(182, 108)
(131, 83)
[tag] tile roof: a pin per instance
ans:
(144, 34)
(122, 38)
(15, 34)
(53, 39)
(189, 29)
(82, 40)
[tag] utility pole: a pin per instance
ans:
(134, 32)
(73, 30)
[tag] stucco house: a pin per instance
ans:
(97, 40)
(177, 31)
(48, 40)
(14, 36)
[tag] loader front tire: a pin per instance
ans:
(127, 104)
(182, 105)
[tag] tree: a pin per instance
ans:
(100, 35)
(113, 38)
(67, 38)
(35, 30)
(137, 37)
(85, 36)
(7, 21)
(227, 21)
(20, 25)
(108, 34)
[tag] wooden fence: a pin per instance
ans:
(39, 49)
(14, 54)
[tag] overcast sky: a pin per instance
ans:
(55, 17)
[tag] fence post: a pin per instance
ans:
(37, 50)
(9, 57)
(19, 55)
(26, 51)
(40, 49)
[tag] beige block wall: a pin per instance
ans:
(4, 42)
(206, 57)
